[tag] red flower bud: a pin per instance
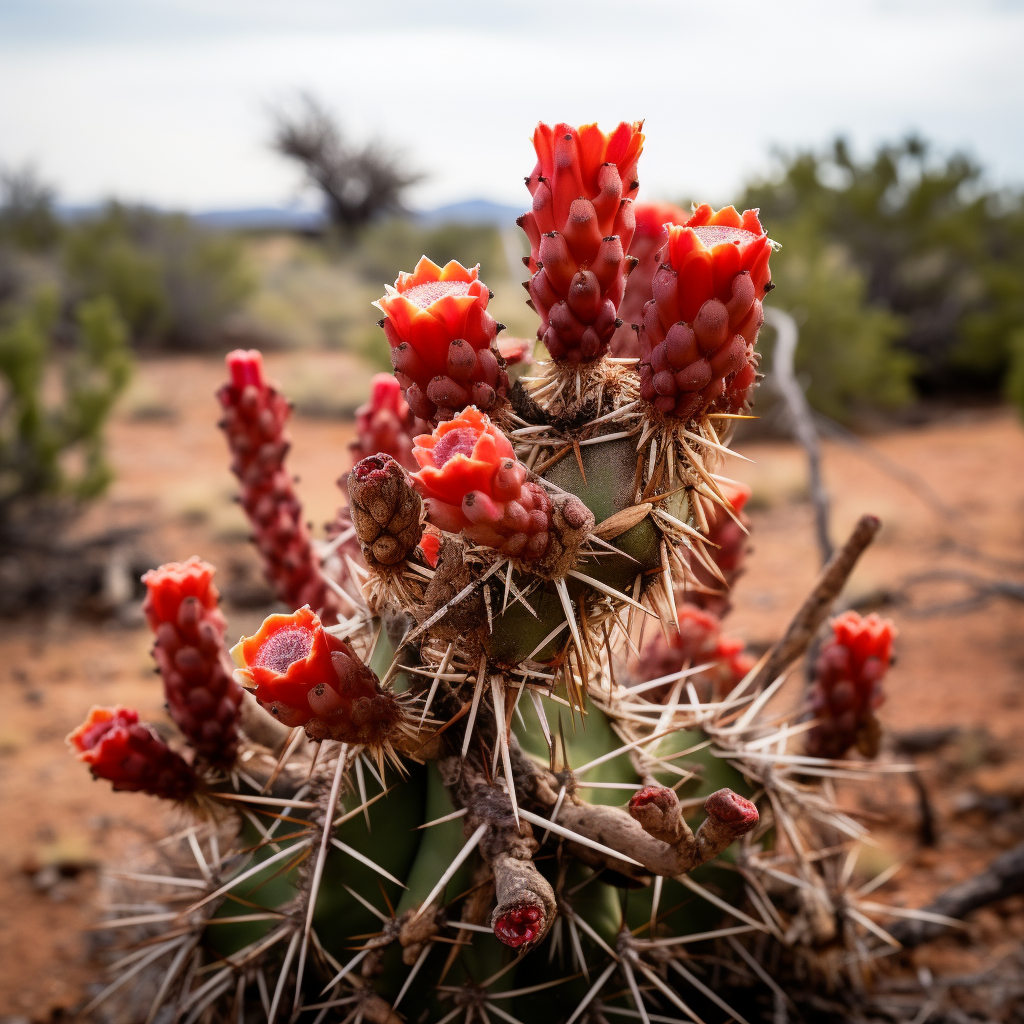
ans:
(728, 550)
(385, 424)
(579, 228)
(119, 748)
(440, 333)
(847, 687)
(203, 699)
(699, 641)
(712, 278)
(255, 413)
(305, 676)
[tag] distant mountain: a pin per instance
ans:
(283, 218)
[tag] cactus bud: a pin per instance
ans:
(385, 423)
(118, 747)
(848, 686)
(386, 511)
(704, 313)
(255, 413)
(305, 676)
(579, 228)
(202, 697)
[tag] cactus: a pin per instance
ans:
(500, 765)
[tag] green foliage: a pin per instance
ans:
(27, 220)
(936, 246)
(172, 282)
(400, 243)
(847, 348)
(52, 446)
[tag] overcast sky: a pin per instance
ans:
(166, 101)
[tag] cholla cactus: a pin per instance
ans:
(516, 770)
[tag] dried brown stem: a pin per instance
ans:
(526, 906)
(815, 609)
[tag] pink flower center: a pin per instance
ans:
(429, 292)
(460, 441)
(283, 649)
(719, 234)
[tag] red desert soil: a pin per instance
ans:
(964, 669)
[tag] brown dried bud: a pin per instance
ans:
(386, 511)
(570, 525)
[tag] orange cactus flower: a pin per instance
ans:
(472, 482)
(580, 228)
(700, 327)
(128, 753)
(848, 685)
(441, 338)
(305, 676)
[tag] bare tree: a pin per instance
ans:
(358, 183)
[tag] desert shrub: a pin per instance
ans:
(846, 352)
(51, 445)
(936, 245)
(27, 218)
(400, 242)
(172, 282)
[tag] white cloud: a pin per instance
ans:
(168, 102)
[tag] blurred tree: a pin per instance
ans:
(27, 218)
(173, 283)
(359, 184)
(936, 246)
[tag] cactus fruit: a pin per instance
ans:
(255, 414)
(580, 228)
(442, 341)
(128, 753)
(847, 686)
(495, 800)
(700, 327)
(385, 424)
(202, 697)
(649, 238)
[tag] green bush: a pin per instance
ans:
(846, 350)
(935, 245)
(173, 283)
(53, 445)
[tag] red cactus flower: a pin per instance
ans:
(203, 698)
(698, 642)
(255, 413)
(649, 241)
(699, 329)
(580, 228)
(728, 555)
(848, 685)
(441, 339)
(385, 424)
(473, 483)
(128, 753)
(520, 925)
(305, 676)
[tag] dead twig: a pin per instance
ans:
(1003, 877)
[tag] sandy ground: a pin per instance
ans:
(964, 669)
